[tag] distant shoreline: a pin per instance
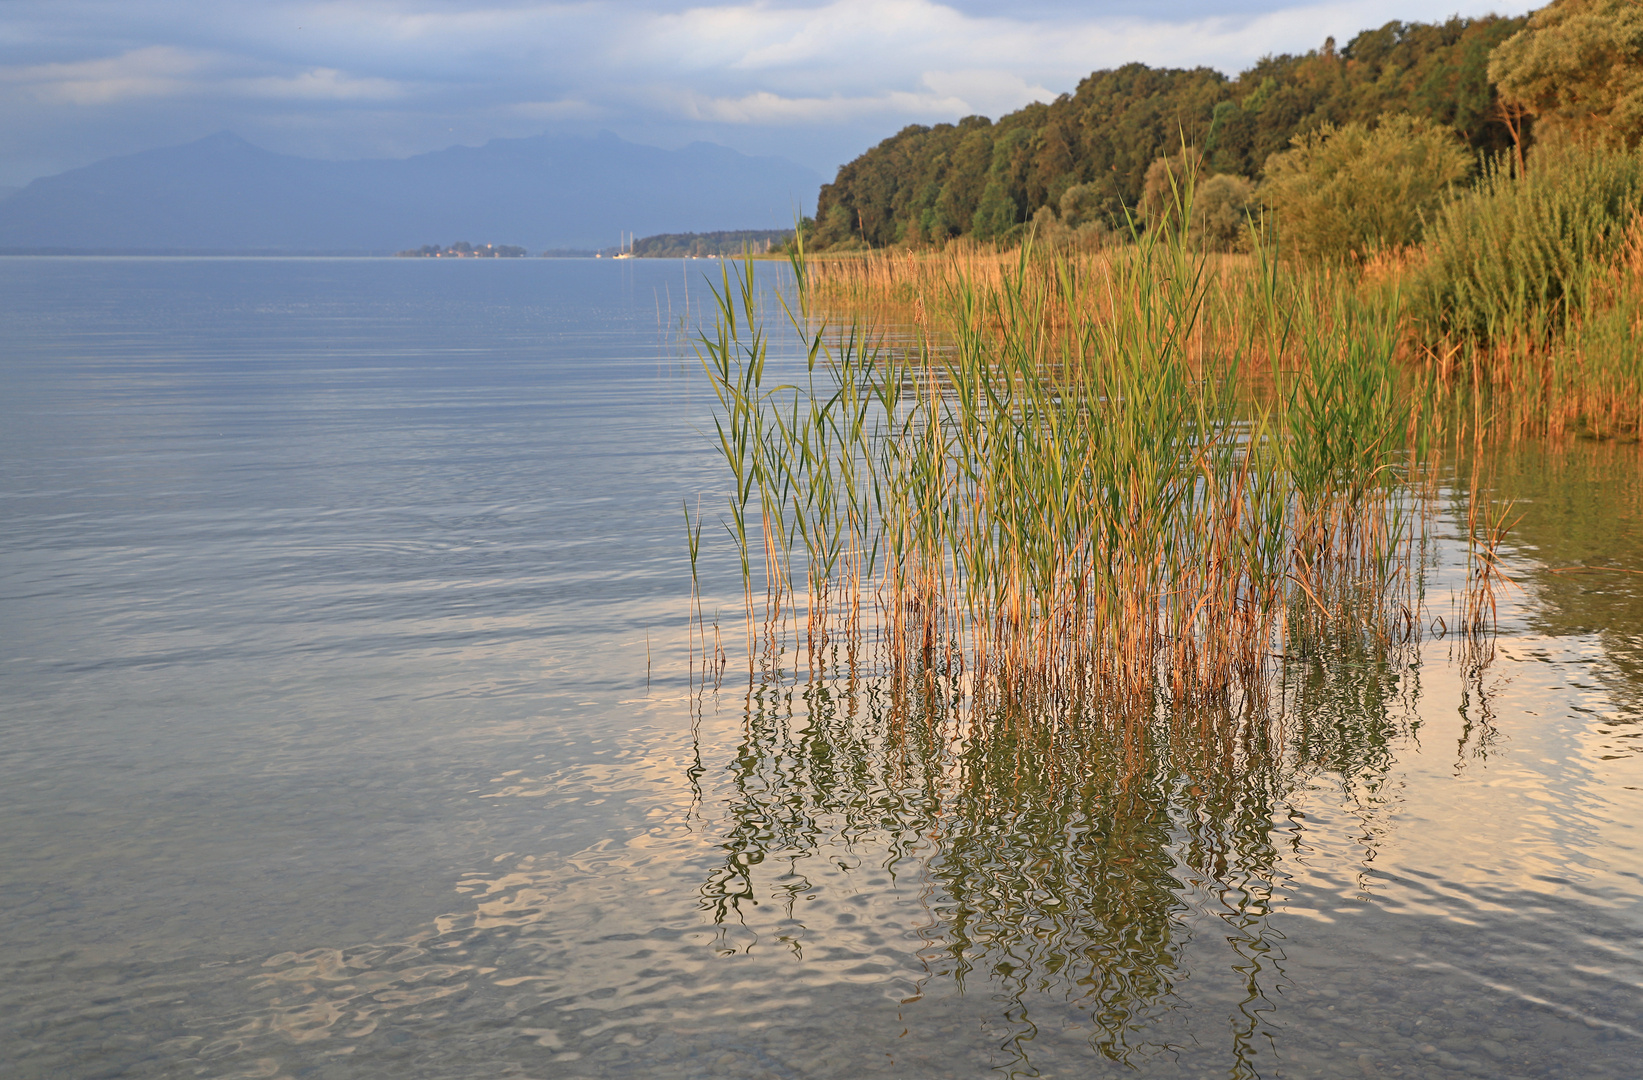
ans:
(196, 253)
(389, 256)
(710, 245)
(128, 253)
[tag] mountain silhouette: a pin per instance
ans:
(221, 193)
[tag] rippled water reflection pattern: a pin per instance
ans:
(328, 748)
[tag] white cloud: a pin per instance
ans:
(155, 71)
(989, 91)
(857, 41)
(766, 108)
(316, 84)
(944, 95)
(162, 71)
(412, 75)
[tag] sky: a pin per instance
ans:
(816, 81)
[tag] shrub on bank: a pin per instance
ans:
(1343, 193)
(1168, 181)
(1222, 208)
(1083, 204)
(1522, 257)
(1068, 232)
(1217, 208)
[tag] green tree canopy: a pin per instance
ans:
(1578, 67)
(927, 184)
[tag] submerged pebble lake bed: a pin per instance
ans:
(345, 732)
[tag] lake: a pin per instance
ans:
(346, 733)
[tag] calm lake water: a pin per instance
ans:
(344, 732)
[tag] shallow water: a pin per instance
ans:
(345, 733)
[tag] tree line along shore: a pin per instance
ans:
(1480, 181)
(1444, 101)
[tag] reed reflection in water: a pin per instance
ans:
(1056, 864)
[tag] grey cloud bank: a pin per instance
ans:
(81, 80)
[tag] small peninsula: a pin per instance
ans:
(464, 250)
(707, 245)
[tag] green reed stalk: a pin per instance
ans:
(1056, 498)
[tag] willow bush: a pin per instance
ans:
(1223, 212)
(1521, 257)
(1343, 193)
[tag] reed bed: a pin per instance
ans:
(1529, 289)
(1053, 496)
(1582, 378)
(1522, 308)
(889, 288)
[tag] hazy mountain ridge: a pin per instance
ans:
(222, 193)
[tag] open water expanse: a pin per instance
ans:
(344, 732)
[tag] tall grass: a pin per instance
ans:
(1529, 290)
(1054, 494)
(1523, 258)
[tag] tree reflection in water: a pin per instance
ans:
(1072, 859)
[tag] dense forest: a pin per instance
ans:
(708, 244)
(1086, 154)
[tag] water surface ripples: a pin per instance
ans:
(328, 746)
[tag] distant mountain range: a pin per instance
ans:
(222, 194)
